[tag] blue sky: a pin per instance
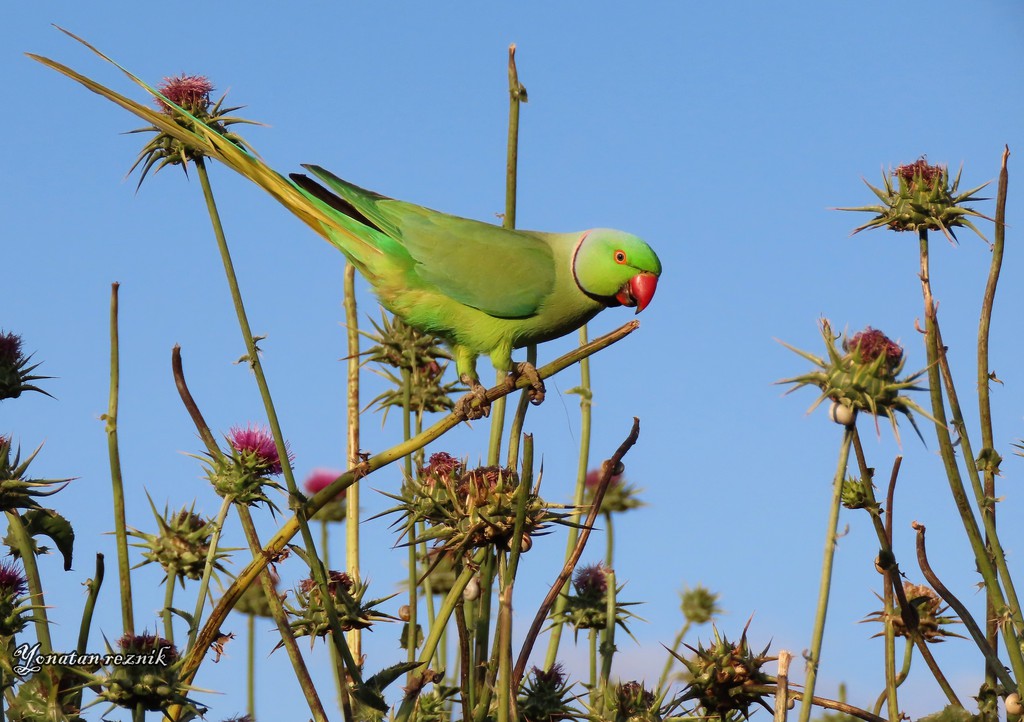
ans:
(722, 133)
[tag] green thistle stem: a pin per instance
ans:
(290, 527)
(818, 633)
(250, 666)
(984, 404)
(120, 531)
(608, 633)
(451, 601)
(670, 662)
(908, 657)
(281, 617)
(595, 692)
(316, 567)
(93, 585)
(948, 453)
(172, 577)
(204, 583)
(23, 542)
(586, 397)
(609, 541)
(355, 637)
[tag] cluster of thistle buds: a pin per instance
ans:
(419, 356)
(861, 375)
(472, 509)
(244, 473)
(725, 676)
(923, 199)
(927, 618)
(181, 543)
(16, 375)
(309, 613)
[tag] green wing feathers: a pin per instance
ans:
(504, 273)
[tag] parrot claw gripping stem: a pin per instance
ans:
(536, 390)
(477, 392)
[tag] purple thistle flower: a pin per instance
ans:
(258, 441)
(12, 581)
(591, 580)
(10, 349)
(191, 92)
(320, 479)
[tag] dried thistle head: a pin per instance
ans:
(922, 198)
(862, 375)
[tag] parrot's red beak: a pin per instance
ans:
(639, 291)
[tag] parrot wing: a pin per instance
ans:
(504, 273)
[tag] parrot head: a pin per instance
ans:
(616, 268)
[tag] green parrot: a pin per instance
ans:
(485, 289)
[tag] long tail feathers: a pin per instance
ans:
(313, 209)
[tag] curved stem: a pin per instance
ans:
(814, 656)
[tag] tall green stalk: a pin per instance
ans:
(120, 531)
(355, 637)
(814, 656)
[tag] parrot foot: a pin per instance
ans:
(536, 390)
(477, 392)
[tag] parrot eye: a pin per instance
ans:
(620, 256)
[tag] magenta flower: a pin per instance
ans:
(591, 580)
(259, 443)
(872, 344)
(320, 479)
(594, 478)
(191, 92)
(12, 581)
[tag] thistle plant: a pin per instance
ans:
(16, 375)
(181, 544)
(922, 199)
(149, 679)
(309, 610)
(243, 473)
(17, 489)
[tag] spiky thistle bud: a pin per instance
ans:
(309, 612)
(546, 696)
(15, 372)
(858, 494)
(587, 606)
(923, 199)
(417, 355)
(147, 676)
(17, 491)
(699, 605)
(180, 545)
(862, 376)
(724, 675)
(254, 600)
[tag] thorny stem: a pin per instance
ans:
(984, 377)
(355, 637)
(574, 557)
(204, 583)
(984, 562)
(608, 633)
(586, 398)
(814, 656)
(93, 585)
(290, 528)
(16, 529)
(281, 617)
(886, 563)
(120, 531)
(168, 615)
